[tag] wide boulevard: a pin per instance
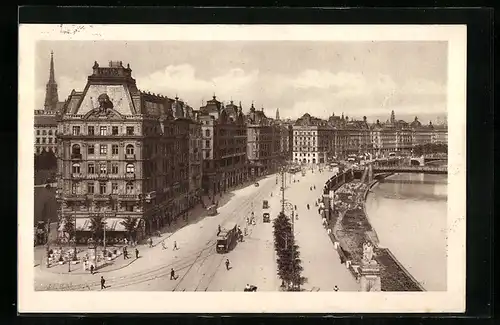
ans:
(199, 268)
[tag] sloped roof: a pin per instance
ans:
(45, 120)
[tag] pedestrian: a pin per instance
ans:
(175, 246)
(335, 288)
(329, 231)
(91, 268)
(103, 286)
(163, 246)
(172, 274)
(125, 241)
(150, 242)
(227, 264)
(136, 253)
(219, 229)
(124, 253)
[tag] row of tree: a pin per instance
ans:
(430, 148)
(289, 263)
(45, 160)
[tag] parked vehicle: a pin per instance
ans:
(227, 237)
(265, 204)
(250, 288)
(256, 184)
(212, 210)
(266, 217)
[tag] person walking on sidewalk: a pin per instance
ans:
(103, 283)
(136, 253)
(175, 246)
(91, 268)
(150, 241)
(172, 274)
(163, 246)
(227, 264)
(125, 253)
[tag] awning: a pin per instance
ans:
(112, 224)
(81, 224)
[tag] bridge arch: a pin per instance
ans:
(417, 161)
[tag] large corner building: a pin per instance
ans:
(125, 154)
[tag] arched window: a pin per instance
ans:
(130, 169)
(207, 133)
(50, 132)
(44, 132)
(129, 188)
(75, 149)
(76, 169)
(129, 149)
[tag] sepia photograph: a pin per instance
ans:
(277, 171)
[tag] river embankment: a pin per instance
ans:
(351, 227)
(409, 213)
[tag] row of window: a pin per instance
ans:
(45, 132)
(103, 130)
(45, 140)
(103, 188)
(304, 133)
(300, 155)
(40, 149)
(102, 168)
(103, 149)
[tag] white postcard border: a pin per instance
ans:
(452, 300)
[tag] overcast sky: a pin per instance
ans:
(357, 78)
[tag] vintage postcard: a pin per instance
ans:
(233, 169)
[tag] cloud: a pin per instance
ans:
(182, 79)
(326, 80)
(319, 92)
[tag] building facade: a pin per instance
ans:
(421, 134)
(264, 143)
(45, 124)
(224, 146)
(45, 131)
(311, 140)
(123, 157)
(195, 157)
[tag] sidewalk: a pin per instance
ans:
(320, 261)
(119, 262)
(190, 236)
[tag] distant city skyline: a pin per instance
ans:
(320, 78)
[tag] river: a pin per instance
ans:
(409, 214)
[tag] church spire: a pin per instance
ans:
(51, 96)
(277, 114)
(52, 77)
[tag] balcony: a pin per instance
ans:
(129, 176)
(76, 176)
(102, 177)
(130, 156)
(128, 197)
(101, 197)
(76, 156)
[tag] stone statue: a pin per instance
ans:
(367, 253)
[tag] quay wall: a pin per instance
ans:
(394, 276)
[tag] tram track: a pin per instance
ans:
(230, 216)
(187, 262)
